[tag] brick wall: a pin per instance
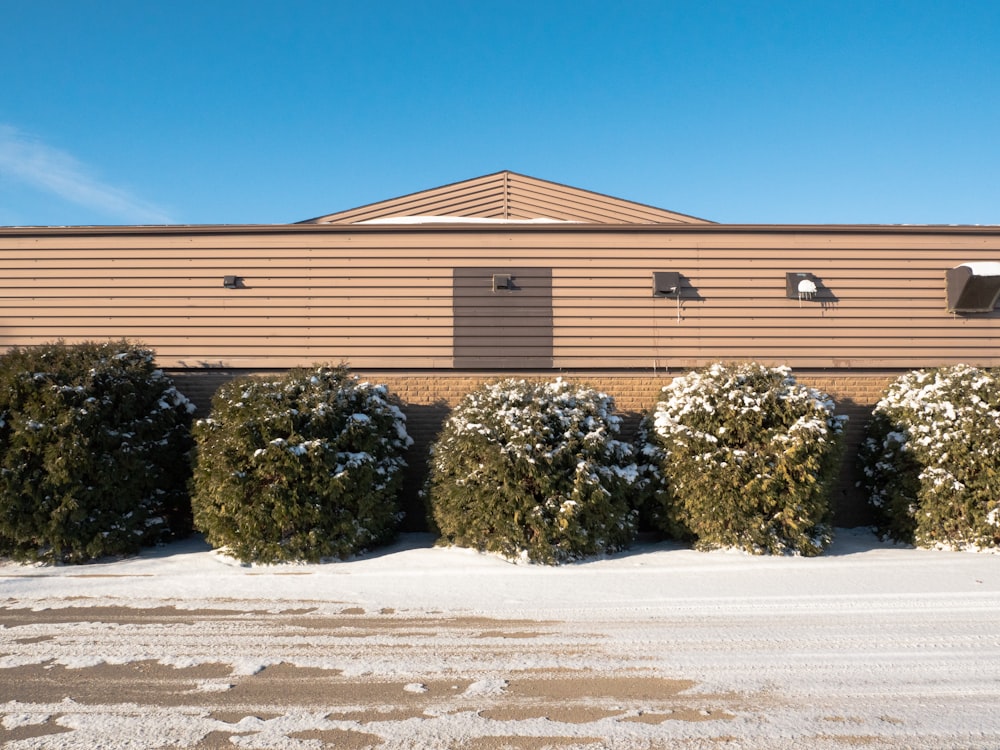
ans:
(427, 397)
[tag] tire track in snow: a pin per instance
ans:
(863, 672)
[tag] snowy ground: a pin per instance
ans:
(871, 645)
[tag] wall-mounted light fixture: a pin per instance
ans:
(666, 284)
(232, 282)
(801, 286)
(503, 282)
(973, 287)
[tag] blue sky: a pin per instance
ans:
(841, 111)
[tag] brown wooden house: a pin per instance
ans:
(506, 274)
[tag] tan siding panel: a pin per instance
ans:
(444, 200)
(383, 310)
(633, 265)
(508, 195)
(191, 327)
(385, 299)
(680, 361)
(581, 248)
(416, 288)
(880, 307)
(543, 198)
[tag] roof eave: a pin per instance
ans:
(566, 227)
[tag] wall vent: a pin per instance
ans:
(973, 287)
(666, 284)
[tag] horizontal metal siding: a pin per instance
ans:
(501, 327)
(887, 308)
(385, 300)
(299, 306)
(508, 195)
(530, 198)
(481, 196)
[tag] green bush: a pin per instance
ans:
(931, 458)
(94, 447)
(741, 456)
(533, 471)
(302, 467)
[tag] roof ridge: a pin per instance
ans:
(509, 195)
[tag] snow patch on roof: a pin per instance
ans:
(983, 268)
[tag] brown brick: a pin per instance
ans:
(426, 399)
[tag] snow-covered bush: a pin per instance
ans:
(301, 467)
(931, 458)
(742, 456)
(533, 471)
(94, 449)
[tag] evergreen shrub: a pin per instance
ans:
(301, 467)
(94, 450)
(533, 471)
(742, 456)
(931, 458)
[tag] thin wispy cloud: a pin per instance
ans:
(30, 161)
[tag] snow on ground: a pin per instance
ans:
(868, 645)
(413, 574)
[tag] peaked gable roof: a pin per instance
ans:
(506, 196)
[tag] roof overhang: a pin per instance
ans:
(508, 228)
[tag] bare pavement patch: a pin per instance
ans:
(871, 646)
